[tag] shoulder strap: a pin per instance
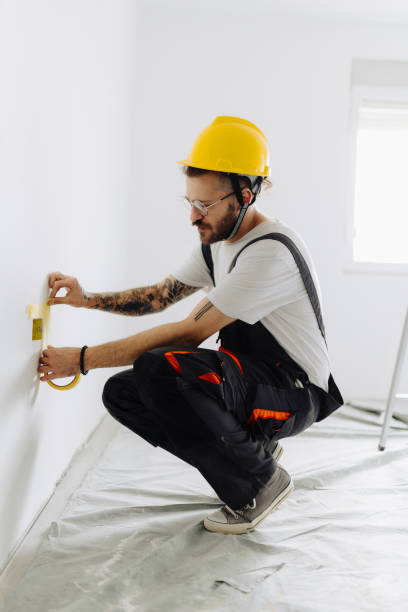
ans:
(206, 250)
(300, 262)
(303, 269)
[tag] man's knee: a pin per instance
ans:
(146, 368)
(110, 394)
(117, 388)
(127, 382)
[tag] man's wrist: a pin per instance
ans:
(90, 300)
(85, 360)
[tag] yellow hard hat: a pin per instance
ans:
(230, 144)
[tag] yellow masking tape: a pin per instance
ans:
(42, 311)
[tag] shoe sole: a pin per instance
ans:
(237, 529)
(277, 452)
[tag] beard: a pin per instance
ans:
(223, 229)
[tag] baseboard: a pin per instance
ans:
(24, 551)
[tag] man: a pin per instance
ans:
(222, 411)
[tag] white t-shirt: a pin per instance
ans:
(265, 285)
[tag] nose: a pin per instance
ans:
(195, 214)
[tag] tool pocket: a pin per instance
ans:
(276, 413)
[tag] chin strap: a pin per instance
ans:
(256, 187)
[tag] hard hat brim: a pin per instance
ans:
(185, 162)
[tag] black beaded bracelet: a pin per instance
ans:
(81, 360)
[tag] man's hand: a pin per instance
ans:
(75, 295)
(59, 362)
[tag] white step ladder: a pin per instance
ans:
(393, 396)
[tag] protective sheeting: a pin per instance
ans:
(131, 538)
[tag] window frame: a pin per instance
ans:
(358, 93)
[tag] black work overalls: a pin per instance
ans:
(214, 408)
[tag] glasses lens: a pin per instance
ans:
(197, 204)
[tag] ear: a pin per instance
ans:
(246, 195)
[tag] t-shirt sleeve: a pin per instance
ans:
(193, 271)
(264, 278)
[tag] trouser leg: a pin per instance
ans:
(149, 400)
(121, 399)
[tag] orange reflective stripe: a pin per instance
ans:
(211, 377)
(173, 361)
(235, 358)
(258, 413)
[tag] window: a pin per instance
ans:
(378, 214)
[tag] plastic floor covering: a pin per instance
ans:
(131, 538)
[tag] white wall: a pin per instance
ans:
(98, 101)
(67, 107)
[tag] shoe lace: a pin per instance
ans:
(240, 512)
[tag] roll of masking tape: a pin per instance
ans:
(40, 313)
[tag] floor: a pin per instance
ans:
(131, 537)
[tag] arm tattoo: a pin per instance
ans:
(171, 290)
(203, 310)
(143, 300)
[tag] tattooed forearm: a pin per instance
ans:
(203, 310)
(143, 300)
(171, 291)
(133, 302)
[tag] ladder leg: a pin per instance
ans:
(394, 384)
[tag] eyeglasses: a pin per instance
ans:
(203, 208)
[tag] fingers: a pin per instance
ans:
(46, 374)
(45, 377)
(43, 367)
(56, 286)
(44, 352)
(67, 283)
(74, 294)
(53, 277)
